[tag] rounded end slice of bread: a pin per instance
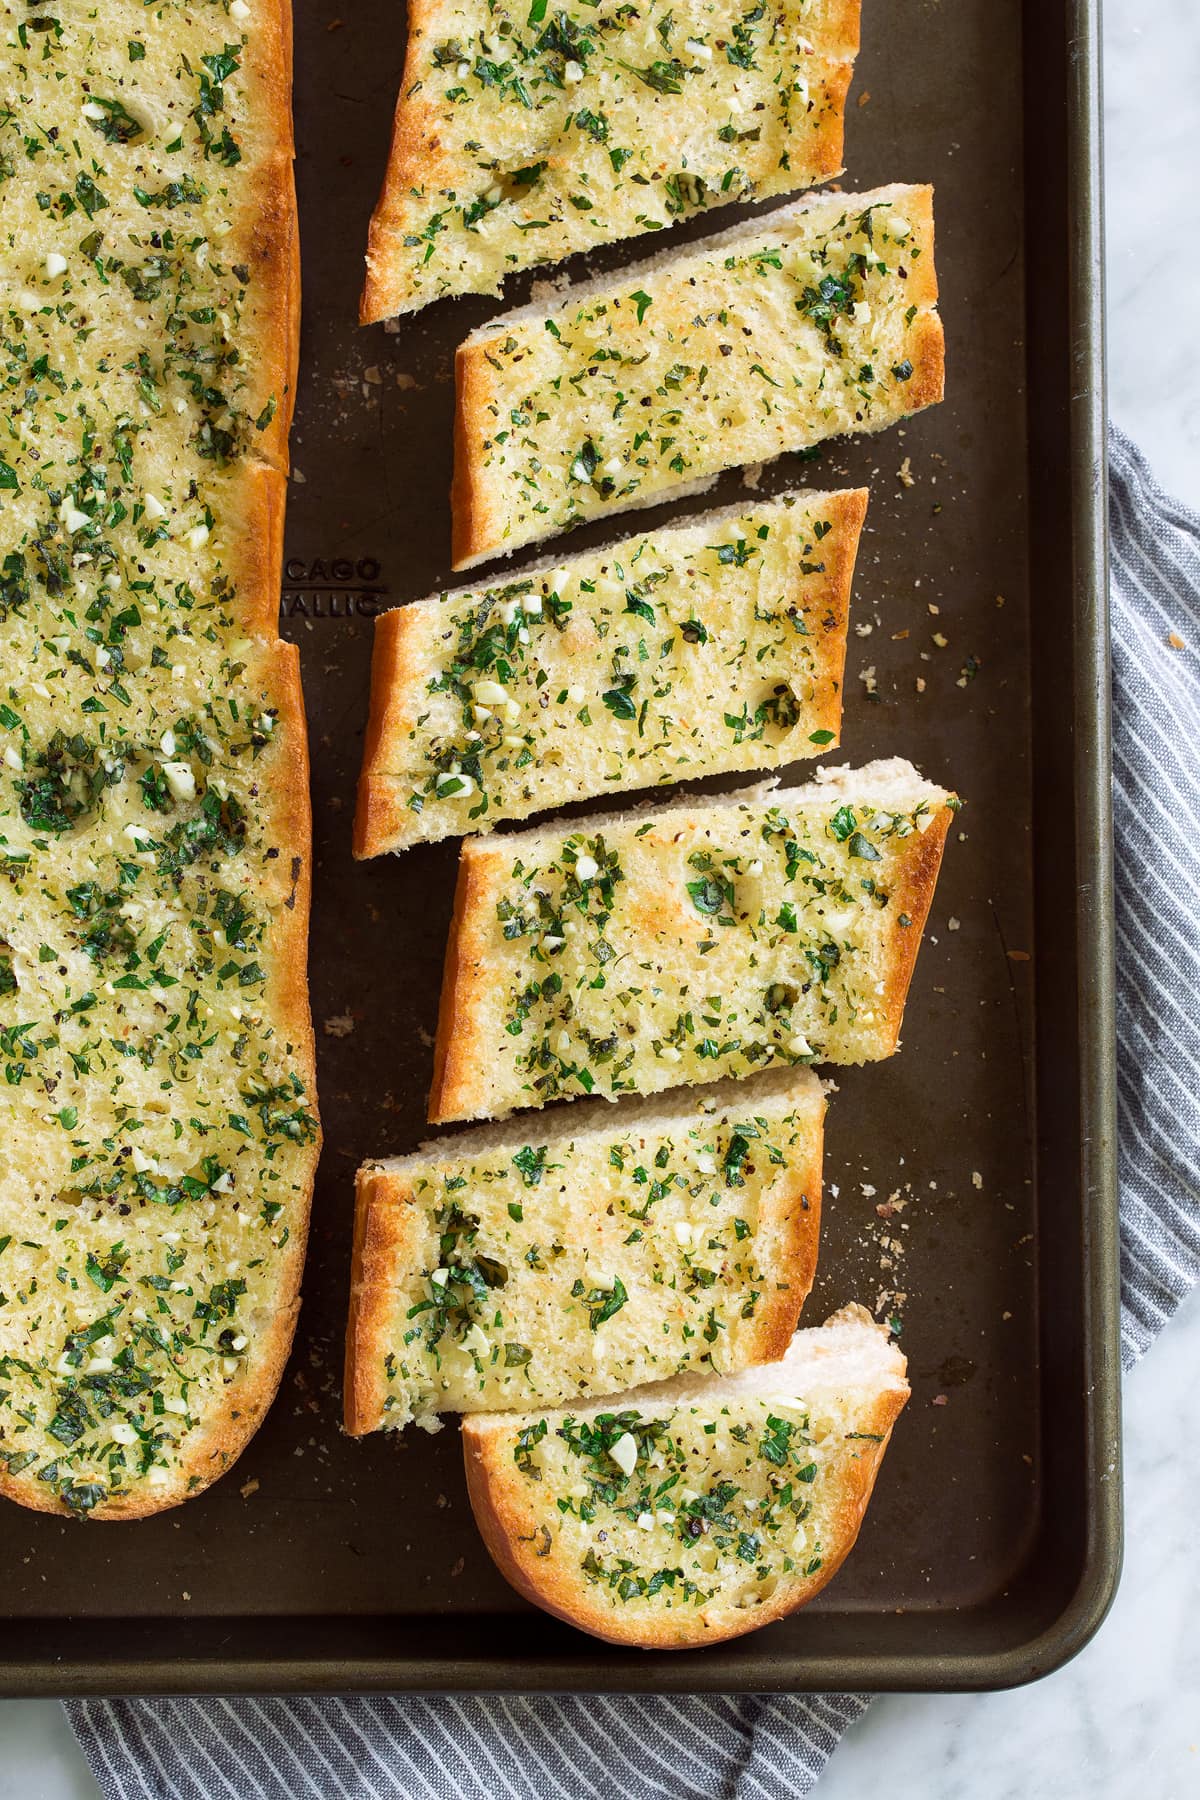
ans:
(695, 1510)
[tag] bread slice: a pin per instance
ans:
(700, 649)
(817, 319)
(633, 952)
(695, 1510)
(501, 1269)
(157, 1107)
(523, 134)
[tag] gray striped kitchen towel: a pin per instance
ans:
(774, 1747)
(1156, 798)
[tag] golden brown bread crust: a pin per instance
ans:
(258, 561)
(472, 534)
(274, 238)
(793, 1211)
(452, 1094)
(412, 146)
(377, 810)
(849, 509)
(509, 1527)
(381, 1237)
(911, 898)
(929, 362)
(928, 385)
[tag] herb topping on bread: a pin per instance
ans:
(157, 1102)
(715, 937)
(525, 133)
(816, 319)
(611, 1248)
(704, 648)
(693, 1511)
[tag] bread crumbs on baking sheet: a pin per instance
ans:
(904, 473)
(339, 1025)
(250, 1487)
(976, 1179)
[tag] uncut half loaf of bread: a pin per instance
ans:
(816, 319)
(495, 1270)
(156, 1109)
(715, 937)
(703, 648)
(523, 133)
(697, 1509)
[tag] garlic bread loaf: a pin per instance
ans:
(816, 319)
(695, 1510)
(157, 1105)
(634, 952)
(496, 1270)
(525, 133)
(703, 648)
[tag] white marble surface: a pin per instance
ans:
(1124, 1718)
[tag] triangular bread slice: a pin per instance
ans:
(609, 1247)
(703, 648)
(523, 135)
(721, 936)
(698, 1509)
(789, 328)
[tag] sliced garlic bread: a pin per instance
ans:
(497, 1270)
(525, 133)
(695, 1510)
(631, 953)
(700, 649)
(156, 1110)
(817, 319)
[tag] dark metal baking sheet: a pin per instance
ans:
(993, 1544)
